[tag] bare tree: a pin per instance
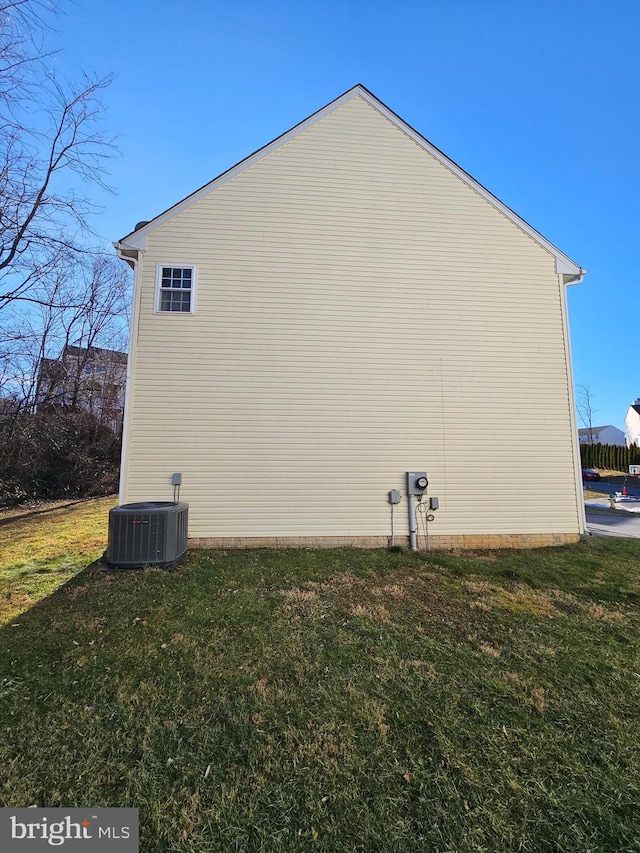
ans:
(22, 55)
(63, 373)
(584, 405)
(84, 305)
(51, 148)
(61, 302)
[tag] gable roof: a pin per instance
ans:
(587, 430)
(129, 245)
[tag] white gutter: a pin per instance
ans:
(575, 279)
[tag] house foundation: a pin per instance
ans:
(436, 542)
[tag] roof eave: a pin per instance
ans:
(127, 253)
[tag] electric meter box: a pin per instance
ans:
(417, 482)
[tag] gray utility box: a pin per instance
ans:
(153, 533)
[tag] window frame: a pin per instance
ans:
(159, 289)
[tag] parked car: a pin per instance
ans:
(589, 474)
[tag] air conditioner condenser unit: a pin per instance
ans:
(151, 533)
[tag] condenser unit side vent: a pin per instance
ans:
(151, 533)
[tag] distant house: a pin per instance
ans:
(632, 424)
(88, 378)
(342, 307)
(602, 435)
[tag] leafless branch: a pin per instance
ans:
(586, 410)
(51, 145)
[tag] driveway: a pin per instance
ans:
(613, 523)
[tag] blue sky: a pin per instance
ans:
(539, 100)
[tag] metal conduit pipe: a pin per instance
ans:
(413, 539)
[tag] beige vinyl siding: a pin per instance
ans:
(360, 312)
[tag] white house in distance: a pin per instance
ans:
(342, 307)
(601, 435)
(632, 424)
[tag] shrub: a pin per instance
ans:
(57, 452)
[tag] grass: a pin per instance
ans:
(44, 545)
(589, 495)
(338, 700)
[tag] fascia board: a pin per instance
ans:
(137, 239)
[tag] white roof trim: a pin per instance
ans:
(564, 265)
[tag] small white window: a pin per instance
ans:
(175, 289)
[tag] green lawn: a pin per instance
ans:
(338, 700)
(44, 545)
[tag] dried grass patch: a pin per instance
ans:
(299, 595)
(533, 695)
(376, 613)
(602, 614)
(422, 666)
(523, 599)
(437, 601)
(546, 651)
(363, 598)
(390, 590)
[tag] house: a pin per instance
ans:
(601, 435)
(344, 306)
(632, 424)
(88, 378)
